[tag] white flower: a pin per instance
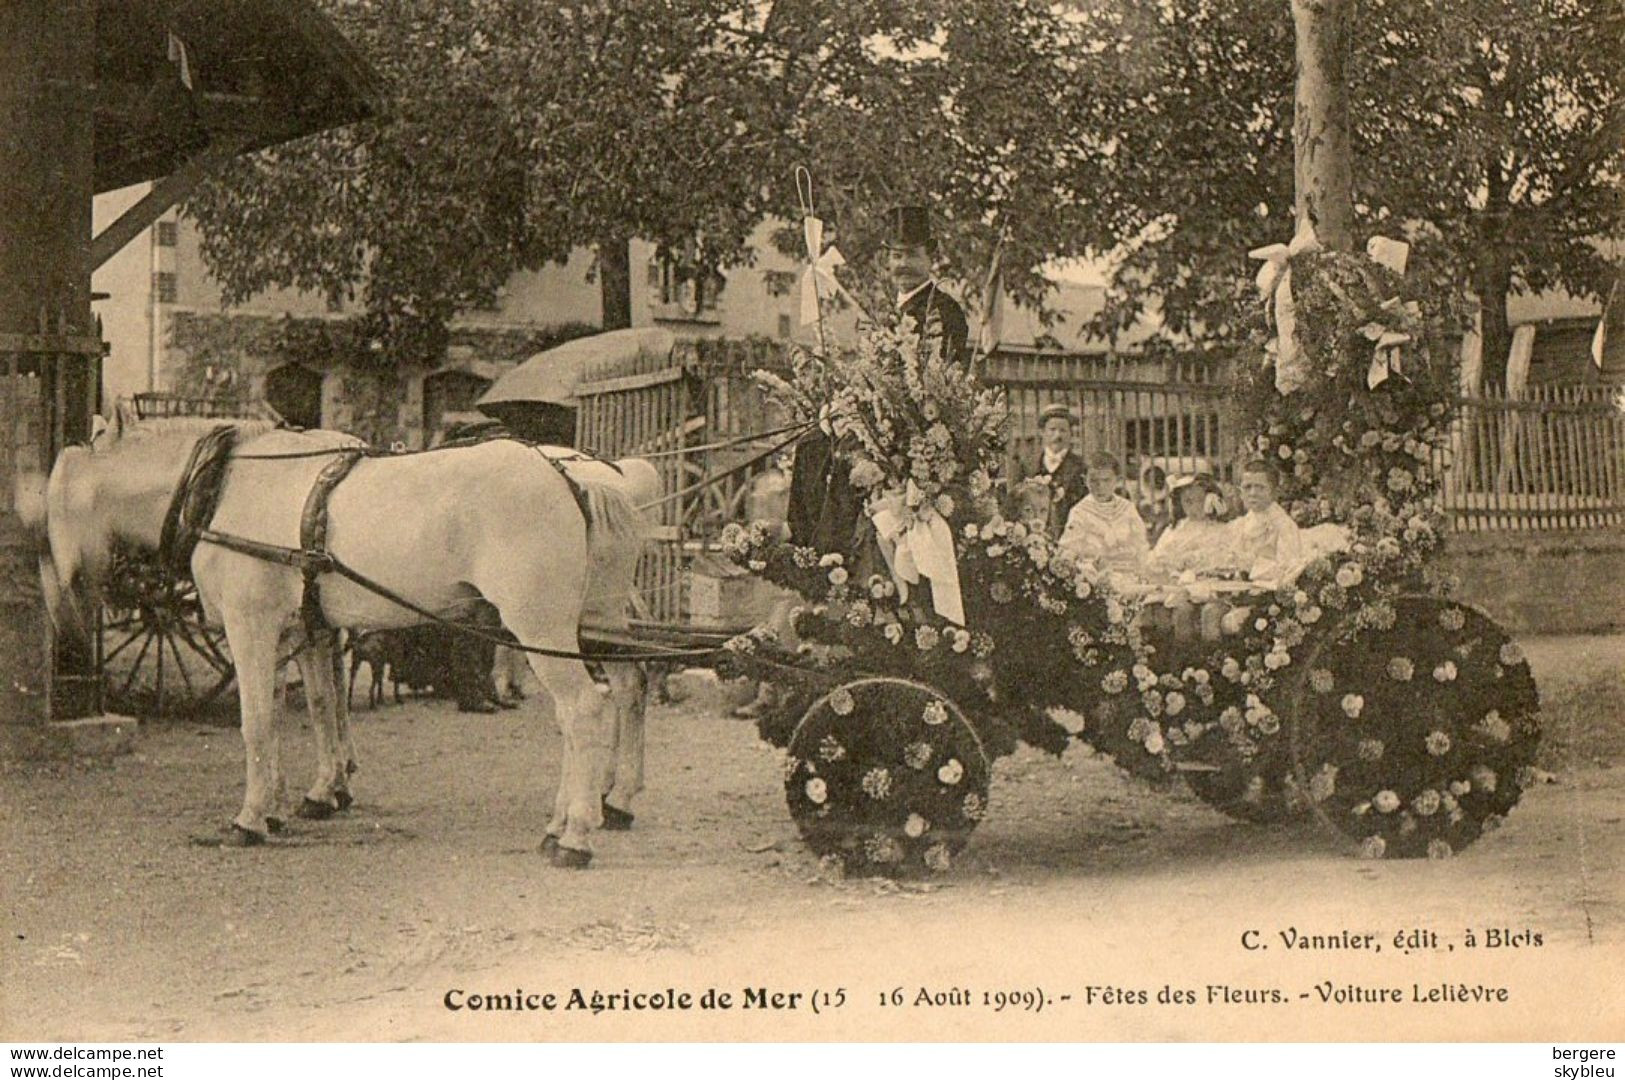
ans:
(915, 826)
(1386, 801)
(952, 772)
(1115, 682)
(832, 559)
(1352, 705)
(1484, 778)
(877, 783)
(816, 790)
(972, 807)
(1373, 847)
(1154, 743)
(841, 702)
(970, 531)
(1323, 785)
(1445, 672)
(893, 632)
(1495, 727)
(1321, 681)
(935, 713)
(917, 755)
(1439, 849)
(1400, 669)
(1370, 749)
(1511, 654)
(1427, 803)
(1174, 703)
(961, 640)
(1452, 619)
(1438, 743)
(838, 576)
(937, 858)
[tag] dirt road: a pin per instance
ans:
(119, 926)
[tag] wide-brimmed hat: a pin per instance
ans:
(1056, 412)
(909, 226)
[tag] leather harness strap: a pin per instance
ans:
(313, 535)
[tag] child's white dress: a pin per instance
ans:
(1109, 533)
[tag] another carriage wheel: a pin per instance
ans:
(159, 658)
(1413, 728)
(887, 775)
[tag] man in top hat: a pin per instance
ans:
(910, 253)
(1058, 467)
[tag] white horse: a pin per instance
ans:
(441, 528)
(610, 589)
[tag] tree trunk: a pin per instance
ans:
(1323, 166)
(1493, 284)
(615, 282)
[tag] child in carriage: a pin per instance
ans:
(1196, 543)
(1105, 529)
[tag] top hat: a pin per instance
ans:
(1055, 412)
(909, 226)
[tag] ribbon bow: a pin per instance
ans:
(917, 542)
(819, 277)
(1274, 283)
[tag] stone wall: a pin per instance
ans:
(1543, 583)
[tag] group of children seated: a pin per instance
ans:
(1104, 528)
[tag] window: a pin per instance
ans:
(165, 287)
(682, 290)
(784, 325)
(335, 304)
(168, 233)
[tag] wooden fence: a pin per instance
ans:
(1175, 415)
(1550, 458)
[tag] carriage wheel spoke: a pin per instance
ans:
(135, 669)
(180, 665)
(108, 656)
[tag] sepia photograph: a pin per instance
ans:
(758, 521)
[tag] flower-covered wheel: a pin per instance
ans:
(1414, 726)
(887, 775)
(1258, 792)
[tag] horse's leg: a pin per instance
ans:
(584, 721)
(629, 689)
(252, 638)
(341, 729)
(321, 700)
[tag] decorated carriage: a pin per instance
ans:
(1351, 688)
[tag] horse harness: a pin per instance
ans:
(197, 497)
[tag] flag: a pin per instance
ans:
(992, 328)
(177, 56)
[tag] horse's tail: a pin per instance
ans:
(612, 518)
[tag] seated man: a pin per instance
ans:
(1104, 528)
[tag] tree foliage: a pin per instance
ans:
(520, 131)
(1502, 126)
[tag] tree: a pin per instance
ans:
(523, 131)
(1501, 125)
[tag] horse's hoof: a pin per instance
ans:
(569, 858)
(344, 798)
(616, 819)
(550, 845)
(239, 837)
(311, 810)
(507, 703)
(274, 825)
(476, 707)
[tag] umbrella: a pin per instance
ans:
(550, 377)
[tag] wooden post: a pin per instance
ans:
(1322, 164)
(47, 333)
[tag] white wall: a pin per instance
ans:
(127, 313)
